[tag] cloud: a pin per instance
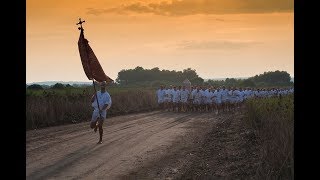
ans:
(97, 11)
(215, 45)
(192, 7)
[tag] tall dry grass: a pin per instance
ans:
(272, 120)
(45, 108)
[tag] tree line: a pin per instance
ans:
(267, 79)
(155, 77)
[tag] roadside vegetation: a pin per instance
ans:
(272, 121)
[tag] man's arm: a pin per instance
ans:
(104, 107)
(93, 98)
(107, 103)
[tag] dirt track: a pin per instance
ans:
(155, 145)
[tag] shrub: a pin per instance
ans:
(272, 120)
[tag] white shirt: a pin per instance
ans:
(230, 94)
(103, 98)
(168, 94)
(257, 93)
(209, 96)
(161, 94)
(224, 94)
(184, 95)
(192, 93)
(197, 97)
(217, 95)
(175, 96)
(236, 94)
(241, 95)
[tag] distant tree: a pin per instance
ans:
(206, 83)
(231, 82)
(247, 83)
(272, 78)
(197, 81)
(216, 83)
(139, 74)
(35, 87)
(58, 86)
(69, 86)
(156, 69)
(154, 77)
(190, 73)
(156, 84)
(138, 68)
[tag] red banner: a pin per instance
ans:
(90, 63)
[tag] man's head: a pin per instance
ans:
(103, 85)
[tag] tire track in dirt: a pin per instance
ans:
(67, 162)
(75, 143)
(132, 142)
(78, 129)
(227, 150)
(169, 165)
(34, 135)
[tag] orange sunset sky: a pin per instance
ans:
(217, 38)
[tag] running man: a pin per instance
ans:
(100, 112)
(217, 100)
(161, 94)
(184, 94)
(175, 98)
(197, 96)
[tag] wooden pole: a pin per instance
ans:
(94, 86)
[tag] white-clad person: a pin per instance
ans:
(224, 97)
(197, 97)
(171, 96)
(251, 95)
(168, 98)
(230, 98)
(209, 98)
(217, 95)
(160, 95)
(241, 97)
(234, 92)
(100, 110)
(175, 98)
(193, 92)
(203, 98)
(184, 94)
(257, 93)
(190, 99)
(179, 98)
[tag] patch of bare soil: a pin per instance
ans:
(227, 150)
(155, 145)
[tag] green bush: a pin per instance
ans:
(272, 119)
(56, 107)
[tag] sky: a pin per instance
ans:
(219, 39)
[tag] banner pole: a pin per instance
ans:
(95, 92)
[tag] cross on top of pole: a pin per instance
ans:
(80, 23)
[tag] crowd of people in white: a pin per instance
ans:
(212, 99)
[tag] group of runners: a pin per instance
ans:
(215, 99)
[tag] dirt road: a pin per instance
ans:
(154, 145)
